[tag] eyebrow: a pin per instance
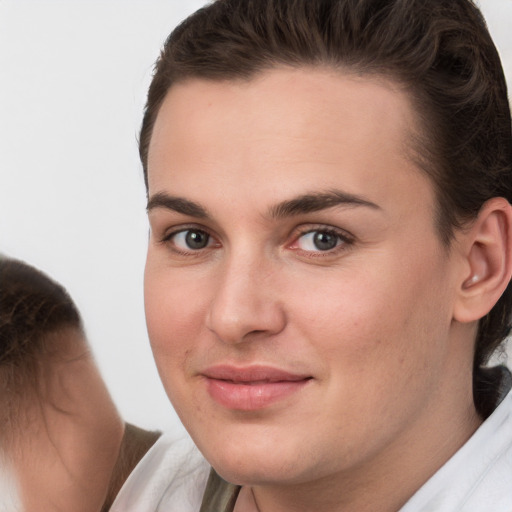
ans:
(177, 204)
(306, 203)
(315, 202)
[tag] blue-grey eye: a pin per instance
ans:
(318, 241)
(191, 239)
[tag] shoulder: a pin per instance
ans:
(171, 476)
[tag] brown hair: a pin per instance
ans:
(32, 306)
(440, 50)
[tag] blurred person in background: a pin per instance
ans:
(63, 444)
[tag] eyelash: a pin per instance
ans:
(344, 240)
(167, 239)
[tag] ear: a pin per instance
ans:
(487, 247)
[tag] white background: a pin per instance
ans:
(73, 78)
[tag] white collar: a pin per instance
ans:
(479, 476)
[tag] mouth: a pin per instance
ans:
(251, 388)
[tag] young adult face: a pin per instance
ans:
(299, 301)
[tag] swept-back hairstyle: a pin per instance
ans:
(440, 51)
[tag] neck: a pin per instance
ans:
(69, 425)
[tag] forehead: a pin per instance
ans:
(284, 129)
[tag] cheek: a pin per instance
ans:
(374, 320)
(175, 317)
(380, 356)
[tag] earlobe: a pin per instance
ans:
(488, 261)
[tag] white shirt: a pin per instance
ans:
(478, 478)
(9, 498)
(170, 477)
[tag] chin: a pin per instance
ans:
(254, 474)
(246, 463)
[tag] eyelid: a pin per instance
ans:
(174, 230)
(167, 237)
(344, 236)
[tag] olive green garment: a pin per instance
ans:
(219, 495)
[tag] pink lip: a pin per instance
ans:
(251, 388)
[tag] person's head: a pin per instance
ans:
(56, 409)
(257, 112)
(440, 52)
(32, 306)
(39, 325)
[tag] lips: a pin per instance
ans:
(251, 388)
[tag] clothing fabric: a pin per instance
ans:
(478, 478)
(9, 497)
(171, 477)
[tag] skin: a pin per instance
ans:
(72, 432)
(371, 322)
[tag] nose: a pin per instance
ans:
(246, 304)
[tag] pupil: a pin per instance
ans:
(324, 241)
(196, 239)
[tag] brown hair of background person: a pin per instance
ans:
(440, 51)
(61, 429)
